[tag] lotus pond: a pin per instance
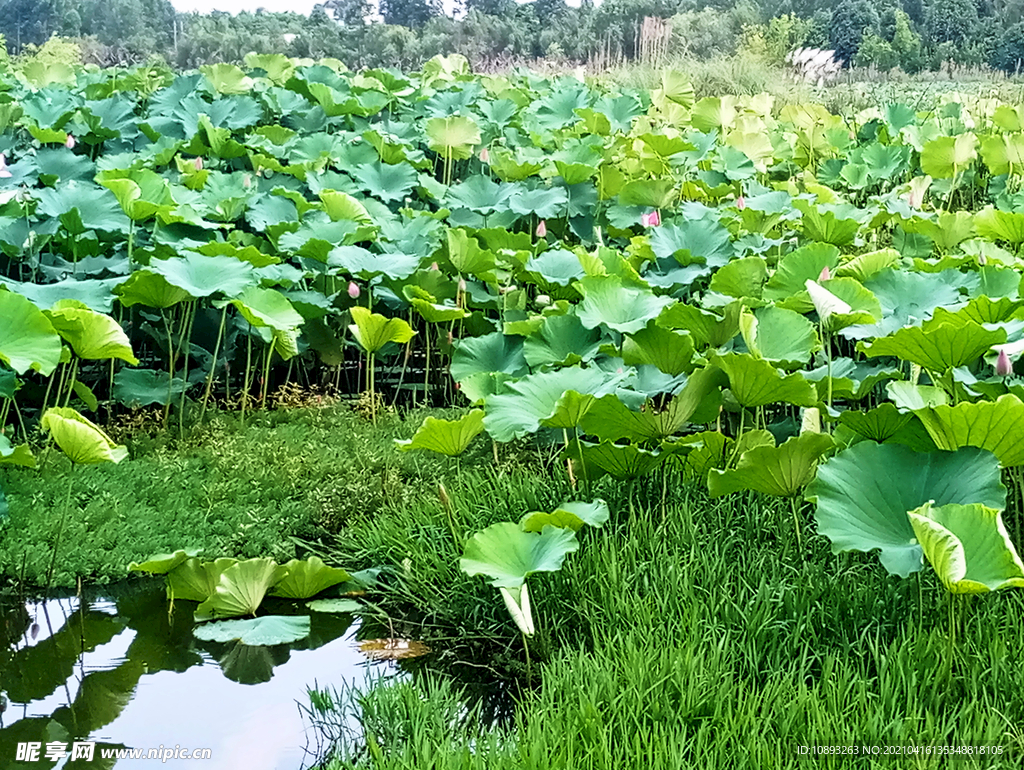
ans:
(661, 418)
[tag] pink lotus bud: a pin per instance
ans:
(353, 290)
(1004, 366)
(741, 203)
(485, 155)
(4, 172)
(451, 338)
(825, 274)
(650, 220)
(433, 266)
(70, 142)
(198, 163)
(462, 285)
(982, 260)
(542, 229)
(247, 181)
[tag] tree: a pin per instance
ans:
(1009, 52)
(351, 13)
(952, 21)
(850, 19)
(409, 13)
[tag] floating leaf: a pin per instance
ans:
(265, 631)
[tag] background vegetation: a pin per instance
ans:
(912, 35)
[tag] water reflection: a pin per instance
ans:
(122, 670)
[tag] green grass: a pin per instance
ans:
(228, 490)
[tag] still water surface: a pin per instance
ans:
(118, 669)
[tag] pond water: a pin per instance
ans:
(119, 670)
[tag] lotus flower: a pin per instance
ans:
(198, 163)
(70, 142)
(1004, 367)
(433, 266)
(650, 220)
(543, 300)
(462, 285)
(353, 290)
(741, 203)
(542, 229)
(4, 172)
(825, 274)
(485, 156)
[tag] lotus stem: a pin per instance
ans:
(266, 374)
(426, 375)
(170, 367)
(796, 521)
(247, 382)
(526, 649)
(190, 314)
(60, 527)
(213, 366)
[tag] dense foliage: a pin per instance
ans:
(910, 34)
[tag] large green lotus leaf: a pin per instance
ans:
(241, 589)
(851, 380)
(342, 207)
(624, 462)
(385, 181)
(342, 606)
(194, 580)
(480, 195)
(558, 267)
(649, 193)
(162, 563)
(756, 382)
(525, 403)
(508, 555)
(670, 351)
(447, 437)
(435, 313)
(968, 547)
(307, 578)
(703, 240)
(16, 455)
(562, 340)
(95, 294)
(373, 331)
(93, 336)
(798, 267)
(265, 307)
(609, 301)
(202, 276)
(781, 336)
(468, 258)
(490, 353)
(939, 348)
(706, 328)
(741, 278)
(866, 266)
(80, 439)
(96, 208)
(947, 156)
(364, 264)
(454, 136)
(568, 516)
(997, 426)
(268, 630)
(27, 338)
(1000, 225)
(145, 287)
(569, 410)
(782, 471)
(142, 193)
(863, 495)
(826, 227)
(880, 424)
(906, 299)
(143, 387)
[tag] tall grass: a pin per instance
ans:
(704, 640)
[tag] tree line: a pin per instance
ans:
(913, 35)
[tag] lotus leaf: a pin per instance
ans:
(307, 578)
(447, 437)
(256, 632)
(568, 516)
(241, 589)
(81, 440)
